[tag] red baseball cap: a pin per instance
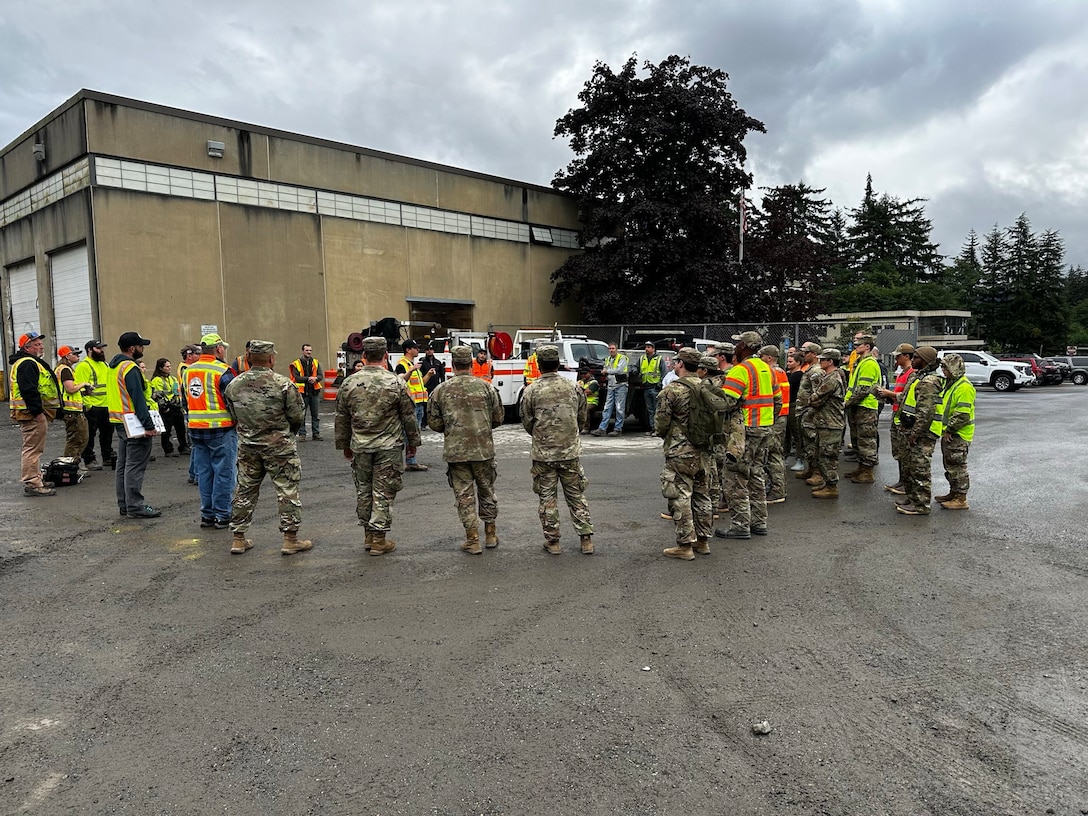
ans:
(28, 338)
(64, 351)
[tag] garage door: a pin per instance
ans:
(71, 297)
(23, 280)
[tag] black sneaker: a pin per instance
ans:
(734, 532)
(222, 524)
(147, 511)
(207, 522)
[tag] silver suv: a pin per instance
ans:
(985, 369)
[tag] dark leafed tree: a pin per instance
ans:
(793, 243)
(658, 172)
(1076, 296)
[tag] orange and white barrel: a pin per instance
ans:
(328, 394)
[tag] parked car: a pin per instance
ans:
(985, 369)
(1046, 373)
(1077, 369)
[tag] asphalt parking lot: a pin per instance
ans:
(904, 665)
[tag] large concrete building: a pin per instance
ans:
(119, 215)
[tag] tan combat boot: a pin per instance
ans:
(472, 541)
(946, 497)
(239, 544)
(702, 546)
(854, 472)
(815, 480)
(805, 474)
(369, 541)
(379, 544)
(863, 475)
(491, 538)
(682, 551)
(958, 501)
(587, 545)
(292, 544)
(552, 547)
(828, 491)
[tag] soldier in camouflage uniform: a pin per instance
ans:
(267, 411)
(959, 429)
(465, 409)
(375, 427)
(825, 413)
(685, 479)
(917, 414)
(776, 449)
(804, 392)
(732, 441)
(552, 411)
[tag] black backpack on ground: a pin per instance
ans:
(62, 472)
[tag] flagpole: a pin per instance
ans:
(743, 226)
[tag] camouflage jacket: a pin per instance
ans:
(374, 412)
(671, 419)
(552, 410)
(927, 396)
(465, 409)
(266, 408)
(826, 403)
(807, 386)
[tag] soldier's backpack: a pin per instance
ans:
(706, 413)
(62, 472)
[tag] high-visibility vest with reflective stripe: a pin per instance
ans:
(959, 398)
(866, 373)
(68, 402)
(299, 376)
(649, 368)
(783, 384)
(753, 382)
(47, 387)
(900, 386)
(97, 373)
(416, 389)
(910, 408)
(532, 371)
(591, 396)
(206, 408)
(484, 371)
(118, 399)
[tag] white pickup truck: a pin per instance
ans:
(985, 369)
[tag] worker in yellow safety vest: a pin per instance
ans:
(35, 399)
(71, 401)
(958, 410)
(409, 372)
(127, 397)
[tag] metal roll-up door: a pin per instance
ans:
(71, 297)
(23, 286)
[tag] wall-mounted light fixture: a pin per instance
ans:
(39, 151)
(215, 149)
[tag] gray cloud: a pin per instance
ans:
(974, 105)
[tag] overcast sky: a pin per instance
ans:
(976, 105)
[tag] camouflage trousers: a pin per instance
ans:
(828, 443)
(473, 482)
(379, 477)
(75, 433)
(808, 440)
(715, 476)
(954, 456)
(898, 436)
(285, 470)
(776, 460)
(918, 469)
(863, 434)
(746, 483)
(547, 476)
(685, 482)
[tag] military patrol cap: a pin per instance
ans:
(904, 348)
(709, 363)
(926, 353)
(810, 347)
(461, 355)
(770, 351)
(546, 353)
(728, 349)
(750, 339)
(867, 339)
(691, 358)
(261, 347)
(831, 354)
(375, 344)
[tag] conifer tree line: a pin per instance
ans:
(659, 174)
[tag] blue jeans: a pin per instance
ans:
(215, 459)
(650, 394)
(615, 402)
(311, 403)
(420, 408)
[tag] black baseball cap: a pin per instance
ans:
(130, 339)
(90, 344)
(409, 343)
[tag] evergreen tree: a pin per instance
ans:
(657, 172)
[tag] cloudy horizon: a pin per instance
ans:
(973, 106)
